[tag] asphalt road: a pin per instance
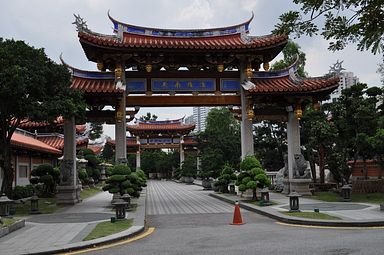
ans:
(211, 233)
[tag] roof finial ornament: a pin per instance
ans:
(81, 24)
(336, 68)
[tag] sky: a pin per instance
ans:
(47, 24)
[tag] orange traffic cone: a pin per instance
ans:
(237, 220)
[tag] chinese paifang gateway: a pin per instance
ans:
(153, 67)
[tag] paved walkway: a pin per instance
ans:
(65, 230)
(168, 197)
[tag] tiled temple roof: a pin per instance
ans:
(57, 141)
(30, 143)
(222, 38)
(168, 125)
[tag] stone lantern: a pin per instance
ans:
(265, 197)
(120, 209)
(35, 204)
(104, 166)
(346, 193)
(294, 201)
(5, 203)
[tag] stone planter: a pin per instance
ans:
(207, 184)
(152, 175)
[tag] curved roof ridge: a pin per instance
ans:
(159, 122)
(205, 32)
(81, 73)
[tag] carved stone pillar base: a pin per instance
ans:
(68, 195)
(301, 186)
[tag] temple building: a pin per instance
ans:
(154, 67)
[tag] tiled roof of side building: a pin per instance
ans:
(30, 143)
(160, 126)
(57, 141)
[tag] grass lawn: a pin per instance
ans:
(8, 221)
(374, 198)
(46, 205)
(107, 228)
(312, 215)
(89, 192)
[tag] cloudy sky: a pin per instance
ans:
(47, 24)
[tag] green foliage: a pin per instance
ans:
(346, 22)
(123, 180)
(22, 192)
(189, 168)
(158, 161)
(96, 131)
(47, 175)
(227, 176)
(148, 117)
(270, 143)
(108, 153)
(219, 143)
(32, 87)
(252, 176)
(83, 176)
(290, 52)
(249, 162)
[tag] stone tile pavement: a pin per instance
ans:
(62, 231)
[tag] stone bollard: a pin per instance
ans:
(346, 193)
(35, 204)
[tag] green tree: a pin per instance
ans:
(188, 168)
(290, 52)
(123, 180)
(47, 175)
(219, 143)
(357, 117)
(227, 176)
(345, 22)
(34, 88)
(96, 131)
(148, 117)
(317, 137)
(252, 176)
(270, 144)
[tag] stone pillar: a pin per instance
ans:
(293, 139)
(138, 162)
(121, 124)
(246, 125)
(182, 156)
(68, 192)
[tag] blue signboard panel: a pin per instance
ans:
(183, 85)
(229, 85)
(136, 85)
(160, 140)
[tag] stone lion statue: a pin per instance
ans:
(300, 167)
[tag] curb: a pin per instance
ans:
(299, 221)
(136, 229)
(9, 229)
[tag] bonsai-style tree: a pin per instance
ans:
(252, 176)
(93, 168)
(123, 180)
(227, 176)
(47, 175)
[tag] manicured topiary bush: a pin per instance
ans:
(252, 176)
(47, 175)
(22, 191)
(227, 176)
(122, 180)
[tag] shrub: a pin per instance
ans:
(22, 192)
(227, 175)
(123, 180)
(47, 175)
(252, 177)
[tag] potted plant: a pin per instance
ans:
(188, 169)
